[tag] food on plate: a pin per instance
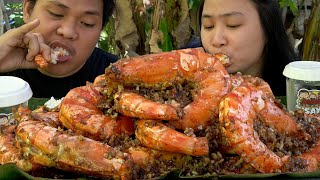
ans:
(203, 72)
(79, 112)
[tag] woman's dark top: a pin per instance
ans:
(45, 87)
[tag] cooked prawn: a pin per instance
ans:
(154, 134)
(238, 111)
(79, 112)
(134, 105)
(40, 61)
(312, 156)
(247, 80)
(55, 56)
(10, 153)
(53, 148)
(164, 69)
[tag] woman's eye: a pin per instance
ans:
(234, 26)
(208, 27)
(55, 14)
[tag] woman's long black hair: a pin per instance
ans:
(278, 51)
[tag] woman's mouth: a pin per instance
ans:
(224, 59)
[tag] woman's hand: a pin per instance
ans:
(19, 46)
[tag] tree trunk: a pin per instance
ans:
(5, 16)
(152, 26)
(1, 20)
(311, 44)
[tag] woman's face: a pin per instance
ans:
(233, 27)
(73, 25)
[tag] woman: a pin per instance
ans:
(72, 27)
(252, 34)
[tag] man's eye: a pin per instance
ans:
(55, 14)
(87, 25)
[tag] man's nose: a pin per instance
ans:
(68, 29)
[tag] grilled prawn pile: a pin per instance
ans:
(151, 114)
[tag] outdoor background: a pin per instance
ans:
(149, 26)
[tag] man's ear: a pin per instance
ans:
(26, 11)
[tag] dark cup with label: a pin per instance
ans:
(303, 86)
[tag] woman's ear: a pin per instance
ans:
(26, 11)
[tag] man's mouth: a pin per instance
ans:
(60, 52)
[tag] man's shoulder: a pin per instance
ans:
(101, 55)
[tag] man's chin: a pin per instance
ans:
(54, 75)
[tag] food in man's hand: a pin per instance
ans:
(57, 55)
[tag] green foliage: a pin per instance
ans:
(17, 15)
(104, 42)
(193, 4)
(292, 4)
(167, 40)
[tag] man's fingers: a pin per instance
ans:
(32, 43)
(35, 45)
(45, 51)
(40, 37)
(24, 29)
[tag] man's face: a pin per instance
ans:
(71, 25)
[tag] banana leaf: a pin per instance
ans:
(36, 102)
(12, 172)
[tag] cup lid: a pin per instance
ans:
(13, 91)
(303, 70)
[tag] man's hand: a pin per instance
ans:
(19, 46)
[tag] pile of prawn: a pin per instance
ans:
(149, 115)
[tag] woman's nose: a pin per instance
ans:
(218, 37)
(68, 29)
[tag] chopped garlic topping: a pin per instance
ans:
(53, 103)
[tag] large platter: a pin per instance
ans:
(12, 172)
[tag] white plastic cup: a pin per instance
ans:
(303, 86)
(13, 92)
